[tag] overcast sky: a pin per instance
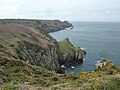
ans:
(71, 10)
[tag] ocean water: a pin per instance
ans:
(100, 39)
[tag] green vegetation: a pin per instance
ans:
(70, 55)
(9, 87)
(16, 74)
(114, 84)
(66, 47)
(108, 68)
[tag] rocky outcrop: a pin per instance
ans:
(105, 66)
(70, 55)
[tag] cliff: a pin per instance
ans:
(28, 44)
(69, 54)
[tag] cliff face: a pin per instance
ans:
(28, 44)
(29, 41)
(70, 55)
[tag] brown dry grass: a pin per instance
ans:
(14, 32)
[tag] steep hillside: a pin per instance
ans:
(18, 75)
(26, 43)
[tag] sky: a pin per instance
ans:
(71, 10)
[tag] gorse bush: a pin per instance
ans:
(9, 87)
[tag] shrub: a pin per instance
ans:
(9, 87)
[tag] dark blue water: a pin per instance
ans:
(100, 39)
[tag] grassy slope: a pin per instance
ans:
(66, 47)
(45, 26)
(17, 74)
(27, 40)
(17, 32)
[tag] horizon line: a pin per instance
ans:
(57, 19)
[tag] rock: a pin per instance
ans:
(70, 55)
(33, 47)
(105, 66)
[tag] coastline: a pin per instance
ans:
(98, 40)
(29, 60)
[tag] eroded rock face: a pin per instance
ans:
(23, 41)
(38, 56)
(28, 44)
(70, 55)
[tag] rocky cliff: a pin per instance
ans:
(28, 44)
(28, 40)
(69, 54)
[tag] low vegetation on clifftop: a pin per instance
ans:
(18, 75)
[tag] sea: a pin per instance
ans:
(100, 40)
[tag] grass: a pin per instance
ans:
(16, 74)
(67, 52)
(17, 71)
(114, 84)
(70, 55)
(66, 46)
(9, 87)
